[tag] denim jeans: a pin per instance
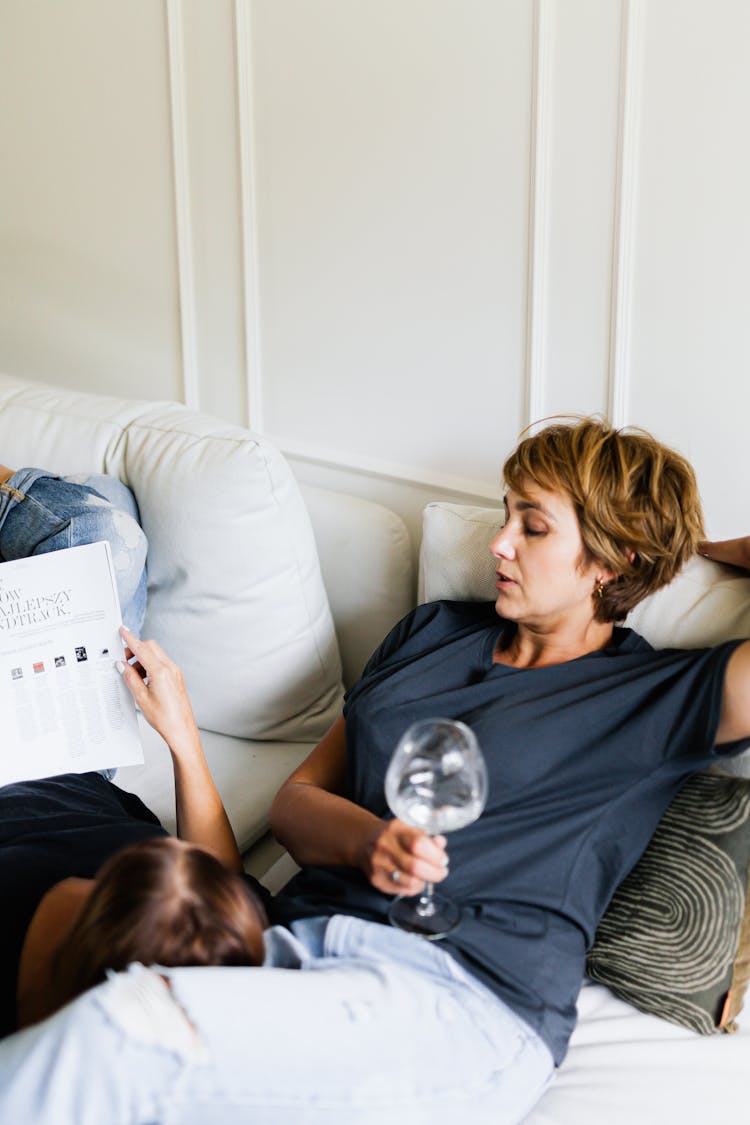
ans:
(40, 513)
(365, 1025)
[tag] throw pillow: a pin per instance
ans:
(675, 939)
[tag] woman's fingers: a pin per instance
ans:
(404, 859)
(158, 687)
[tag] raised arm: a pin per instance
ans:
(735, 706)
(735, 552)
(158, 688)
(735, 709)
(318, 825)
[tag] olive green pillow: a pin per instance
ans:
(675, 939)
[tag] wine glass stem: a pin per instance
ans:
(425, 907)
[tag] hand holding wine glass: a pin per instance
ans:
(436, 781)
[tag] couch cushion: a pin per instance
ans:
(235, 591)
(247, 774)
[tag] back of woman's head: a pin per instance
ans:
(636, 500)
(165, 902)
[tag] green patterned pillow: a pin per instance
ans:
(675, 939)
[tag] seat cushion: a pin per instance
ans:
(248, 775)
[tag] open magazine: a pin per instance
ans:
(63, 705)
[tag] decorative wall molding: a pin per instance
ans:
(183, 211)
(539, 208)
(387, 470)
(626, 199)
(249, 213)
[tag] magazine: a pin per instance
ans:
(63, 705)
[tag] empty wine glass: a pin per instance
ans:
(437, 781)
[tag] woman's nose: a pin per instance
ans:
(502, 545)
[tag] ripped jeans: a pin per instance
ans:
(40, 512)
(357, 1024)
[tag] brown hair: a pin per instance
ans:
(160, 901)
(636, 500)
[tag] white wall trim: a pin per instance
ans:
(539, 209)
(183, 211)
(249, 214)
(626, 198)
(387, 470)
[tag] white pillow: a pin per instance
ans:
(455, 560)
(235, 591)
(706, 603)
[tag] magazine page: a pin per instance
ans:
(64, 706)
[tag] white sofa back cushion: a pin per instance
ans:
(235, 590)
(704, 605)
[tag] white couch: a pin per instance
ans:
(240, 563)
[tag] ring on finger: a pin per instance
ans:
(396, 876)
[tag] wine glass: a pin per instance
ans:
(437, 781)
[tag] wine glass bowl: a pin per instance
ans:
(436, 781)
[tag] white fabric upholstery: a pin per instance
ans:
(365, 556)
(706, 603)
(628, 1068)
(235, 590)
(247, 774)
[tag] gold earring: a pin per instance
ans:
(599, 588)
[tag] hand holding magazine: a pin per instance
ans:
(64, 706)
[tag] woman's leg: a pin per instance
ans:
(41, 513)
(339, 1041)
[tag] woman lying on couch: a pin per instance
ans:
(160, 900)
(588, 734)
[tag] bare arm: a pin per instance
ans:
(50, 924)
(5, 473)
(735, 704)
(201, 816)
(318, 825)
(735, 552)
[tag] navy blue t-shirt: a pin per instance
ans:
(583, 758)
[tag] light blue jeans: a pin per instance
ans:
(365, 1026)
(40, 513)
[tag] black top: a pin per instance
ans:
(49, 830)
(583, 758)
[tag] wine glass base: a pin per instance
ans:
(440, 920)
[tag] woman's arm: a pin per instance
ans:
(735, 708)
(158, 688)
(318, 825)
(50, 924)
(735, 704)
(735, 552)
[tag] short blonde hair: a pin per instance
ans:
(636, 500)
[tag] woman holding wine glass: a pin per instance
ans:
(587, 735)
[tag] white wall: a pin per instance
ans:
(390, 233)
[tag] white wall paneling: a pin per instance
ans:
(388, 233)
(626, 196)
(392, 147)
(209, 218)
(88, 285)
(184, 224)
(249, 212)
(690, 337)
(539, 206)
